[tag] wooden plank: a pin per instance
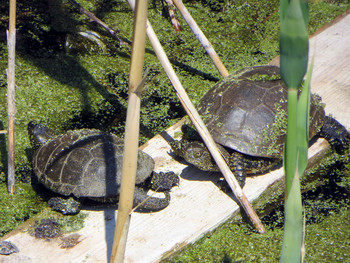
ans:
(197, 205)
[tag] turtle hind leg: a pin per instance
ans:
(150, 203)
(163, 181)
(67, 206)
(241, 165)
(336, 134)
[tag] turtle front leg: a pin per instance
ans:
(237, 166)
(158, 182)
(150, 203)
(236, 163)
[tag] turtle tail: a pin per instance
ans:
(150, 203)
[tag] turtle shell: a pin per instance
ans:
(85, 163)
(248, 112)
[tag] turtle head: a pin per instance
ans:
(190, 133)
(195, 153)
(39, 134)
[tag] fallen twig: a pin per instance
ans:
(113, 33)
(174, 21)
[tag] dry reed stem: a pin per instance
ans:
(131, 140)
(201, 38)
(11, 103)
(201, 128)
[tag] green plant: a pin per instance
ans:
(293, 59)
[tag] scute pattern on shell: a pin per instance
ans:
(241, 113)
(85, 163)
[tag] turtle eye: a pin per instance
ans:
(197, 154)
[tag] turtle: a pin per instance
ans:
(87, 163)
(246, 114)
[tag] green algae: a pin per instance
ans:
(66, 223)
(17, 208)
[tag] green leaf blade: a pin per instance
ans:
(294, 44)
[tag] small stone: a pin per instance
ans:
(7, 248)
(70, 241)
(47, 228)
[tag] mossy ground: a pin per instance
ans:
(17, 208)
(326, 204)
(325, 241)
(89, 89)
(67, 224)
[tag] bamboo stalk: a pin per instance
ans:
(201, 38)
(200, 126)
(131, 134)
(11, 40)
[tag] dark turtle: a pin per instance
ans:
(88, 163)
(7, 248)
(246, 115)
